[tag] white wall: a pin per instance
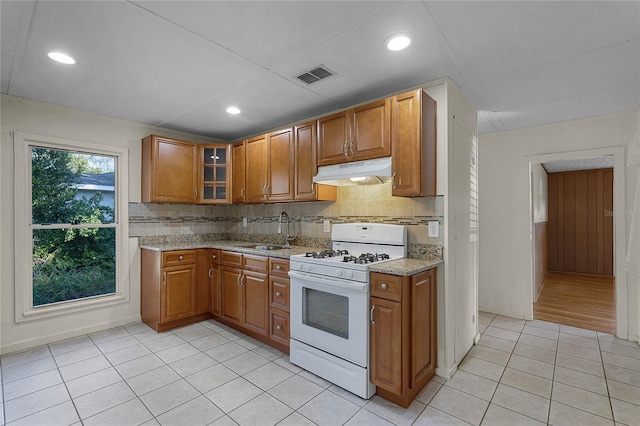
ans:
(505, 240)
(55, 121)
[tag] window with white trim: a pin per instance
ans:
(70, 226)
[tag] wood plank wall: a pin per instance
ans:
(580, 232)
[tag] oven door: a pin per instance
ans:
(331, 314)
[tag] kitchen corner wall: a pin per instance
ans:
(371, 203)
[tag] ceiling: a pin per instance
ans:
(179, 64)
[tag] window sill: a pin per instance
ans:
(71, 307)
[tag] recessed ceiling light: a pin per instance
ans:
(62, 58)
(397, 42)
(233, 110)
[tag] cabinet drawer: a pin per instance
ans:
(279, 293)
(279, 267)
(178, 257)
(230, 258)
(386, 286)
(256, 263)
(279, 326)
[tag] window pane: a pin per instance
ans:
(73, 263)
(72, 187)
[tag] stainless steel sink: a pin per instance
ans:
(266, 247)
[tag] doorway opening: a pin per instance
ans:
(574, 241)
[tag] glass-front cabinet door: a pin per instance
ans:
(215, 172)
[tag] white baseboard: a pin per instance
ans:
(446, 373)
(67, 334)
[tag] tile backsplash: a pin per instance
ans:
(372, 203)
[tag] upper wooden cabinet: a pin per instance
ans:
(215, 174)
(360, 133)
(238, 183)
(306, 166)
(169, 170)
(269, 167)
(413, 142)
(256, 169)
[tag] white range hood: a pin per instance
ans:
(365, 172)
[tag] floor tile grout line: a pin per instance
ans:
(606, 382)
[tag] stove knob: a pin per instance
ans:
(300, 266)
(339, 272)
(349, 274)
(307, 268)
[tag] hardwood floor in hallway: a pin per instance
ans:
(578, 300)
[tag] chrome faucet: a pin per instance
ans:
(287, 236)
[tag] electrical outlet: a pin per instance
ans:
(244, 222)
(326, 224)
(434, 229)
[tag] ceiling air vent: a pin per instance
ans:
(316, 74)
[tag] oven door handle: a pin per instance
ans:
(333, 282)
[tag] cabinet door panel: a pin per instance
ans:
(214, 174)
(178, 292)
(386, 345)
(174, 169)
(413, 142)
(256, 169)
(370, 131)
(238, 173)
(423, 331)
(231, 307)
(256, 314)
(305, 161)
(333, 133)
(280, 166)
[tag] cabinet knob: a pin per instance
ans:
(278, 267)
(180, 257)
(213, 256)
(383, 286)
(278, 294)
(278, 327)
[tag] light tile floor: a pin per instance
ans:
(520, 373)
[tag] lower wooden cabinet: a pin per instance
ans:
(168, 287)
(403, 335)
(247, 292)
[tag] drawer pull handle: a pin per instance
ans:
(278, 294)
(165, 278)
(278, 327)
(278, 267)
(210, 272)
(383, 286)
(371, 314)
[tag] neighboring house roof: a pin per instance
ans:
(97, 181)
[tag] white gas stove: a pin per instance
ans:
(355, 247)
(330, 302)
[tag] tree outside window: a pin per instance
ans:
(73, 225)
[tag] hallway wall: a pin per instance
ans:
(581, 221)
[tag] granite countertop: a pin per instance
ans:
(405, 267)
(238, 246)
